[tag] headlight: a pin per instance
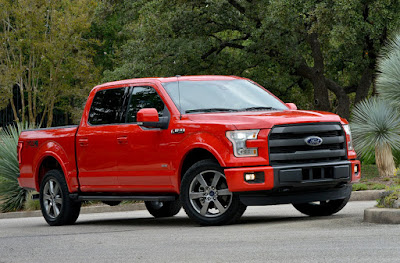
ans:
(346, 128)
(239, 138)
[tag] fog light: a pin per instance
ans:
(356, 169)
(250, 177)
(254, 177)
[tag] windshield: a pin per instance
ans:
(221, 96)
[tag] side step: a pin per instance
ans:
(78, 197)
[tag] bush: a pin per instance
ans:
(12, 196)
(390, 198)
(360, 187)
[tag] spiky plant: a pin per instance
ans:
(388, 76)
(12, 196)
(376, 125)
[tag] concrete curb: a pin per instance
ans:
(382, 215)
(367, 195)
(84, 210)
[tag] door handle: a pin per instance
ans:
(122, 139)
(83, 142)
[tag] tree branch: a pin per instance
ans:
(237, 6)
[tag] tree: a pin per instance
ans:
(376, 122)
(45, 53)
(376, 126)
(290, 47)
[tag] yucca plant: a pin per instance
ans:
(376, 125)
(12, 196)
(388, 76)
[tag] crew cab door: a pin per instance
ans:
(144, 154)
(97, 140)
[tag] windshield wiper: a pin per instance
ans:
(258, 108)
(209, 110)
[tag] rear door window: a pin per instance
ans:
(107, 106)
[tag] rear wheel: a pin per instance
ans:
(322, 208)
(163, 209)
(56, 205)
(205, 195)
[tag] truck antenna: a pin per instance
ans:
(179, 97)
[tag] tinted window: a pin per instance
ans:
(220, 95)
(144, 97)
(107, 106)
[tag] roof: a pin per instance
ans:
(169, 79)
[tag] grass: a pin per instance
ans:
(370, 179)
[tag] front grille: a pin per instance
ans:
(287, 143)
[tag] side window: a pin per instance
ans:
(107, 106)
(143, 97)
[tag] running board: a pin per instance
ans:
(164, 198)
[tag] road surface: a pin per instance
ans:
(264, 234)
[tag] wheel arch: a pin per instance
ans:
(48, 162)
(52, 156)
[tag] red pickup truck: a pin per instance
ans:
(212, 144)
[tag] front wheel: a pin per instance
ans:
(322, 208)
(56, 205)
(205, 195)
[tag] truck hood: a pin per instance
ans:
(263, 119)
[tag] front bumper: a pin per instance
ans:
(294, 177)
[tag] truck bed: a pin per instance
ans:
(40, 145)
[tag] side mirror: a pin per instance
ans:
(291, 106)
(148, 117)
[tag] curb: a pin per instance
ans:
(84, 210)
(382, 215)
(366, 195)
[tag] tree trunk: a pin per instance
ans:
(384, 160)
(21, 90)
(14, 110)
(364, 85)
(343, 108)
(50, 112)
(43, 116)
(321, 98)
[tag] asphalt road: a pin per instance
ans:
(265, 234)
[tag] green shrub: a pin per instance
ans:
(378, 187)
(390, 198)
(30, 204)
(360, 187)
(12, 196)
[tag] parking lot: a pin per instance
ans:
(265, 234)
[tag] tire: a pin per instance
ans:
(111, 203)
(163, 209)
(206, 198)
(56, 205)
(324, 208)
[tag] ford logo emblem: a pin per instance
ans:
(313, 141)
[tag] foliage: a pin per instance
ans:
(376, 124)
(11, 194)
(388, 80)
(45, 54)
(30, 204)
(293, 48)
(360, 187)
(390, 198)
